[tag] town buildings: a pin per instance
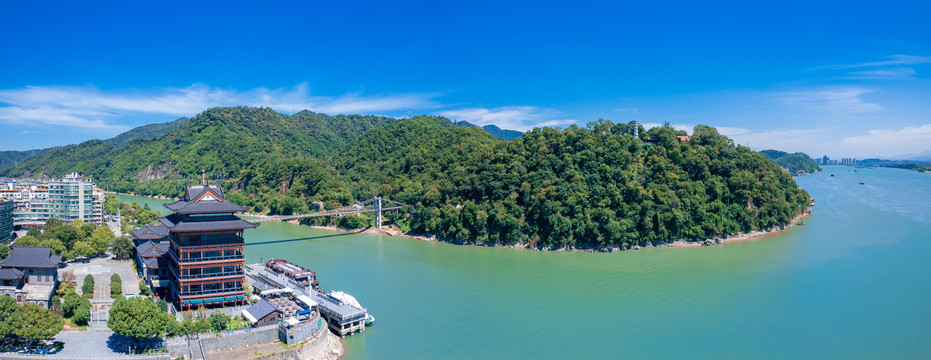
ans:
(6, 221)
(68, 199)
(30, 274)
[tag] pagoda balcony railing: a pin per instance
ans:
(215, 291)
(212, 275)
(233, 241)
(208, 258)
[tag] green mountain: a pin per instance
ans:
(146, 132)
(222, 141)
(599, 186)
(576, 187)
(793, 162)
(10, 158)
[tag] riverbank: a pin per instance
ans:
(679, 243)
(149, 196)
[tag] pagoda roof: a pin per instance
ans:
(178, 223)
(10, 274)
(151, 249)
(153, 232)
(204, 199)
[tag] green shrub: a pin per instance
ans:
(115, 277)
(219, 321)
(72, 303)
(82, 315)
(143, 289)
(163, 306)
(88, 287)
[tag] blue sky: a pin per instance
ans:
(837, 78)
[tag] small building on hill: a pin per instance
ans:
(30, 274)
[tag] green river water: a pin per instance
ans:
(853, 282)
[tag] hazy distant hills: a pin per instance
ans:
(793, 162)
(10, 158)
(494, 130)
(146, 132)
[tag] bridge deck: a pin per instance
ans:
(323, 213)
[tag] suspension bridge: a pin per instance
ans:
(375, 205)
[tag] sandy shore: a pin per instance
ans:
(755, 235)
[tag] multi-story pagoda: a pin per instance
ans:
(206, 249)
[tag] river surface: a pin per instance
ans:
(853, 282)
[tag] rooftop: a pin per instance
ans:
(151, 249)
(260, 310)
(36, 257)
(204, 199)
(150, 232)
(178, 223)
(10, 274)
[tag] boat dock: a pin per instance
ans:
(342, 318)
(279, 276)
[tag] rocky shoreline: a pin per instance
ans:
(668, 244)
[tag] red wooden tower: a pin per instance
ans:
(206, 252)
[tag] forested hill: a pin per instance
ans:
(146, 132)
(576, 187)
(10, 158)
(792, 162)
(601, 186)
(222, 141)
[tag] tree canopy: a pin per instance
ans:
(137, 317)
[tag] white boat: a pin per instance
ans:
(351, 301)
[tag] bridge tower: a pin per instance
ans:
(378, 212)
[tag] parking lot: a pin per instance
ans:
(101, 269)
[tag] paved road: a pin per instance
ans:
(93, 343)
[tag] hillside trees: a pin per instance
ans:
(597, 185)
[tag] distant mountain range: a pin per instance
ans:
(146, 132)
(924, 156)
(11, 158)
(494, 131)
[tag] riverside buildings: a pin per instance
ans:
(68, 199)
(6, 221)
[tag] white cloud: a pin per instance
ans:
(879, 70)
(893, 73)
(889, 142)
(91, 108)
(893, 60)
(520, 118)
(833, 100)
